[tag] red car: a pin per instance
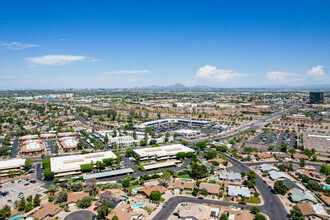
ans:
(242, 203)
(26, 184)
(95, 208)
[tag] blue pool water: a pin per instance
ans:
(186, 180)
(204, 162)
(326, 186)
(16, 217)
(213, 179)
(125, 197)
(136, 189)
(137, 205)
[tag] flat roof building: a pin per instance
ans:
(33, 146)
(161, 153)
(11, 165)
(188, 132)
(316, 97)
(68, 142)
(70, 165)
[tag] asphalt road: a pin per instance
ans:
(14, 149)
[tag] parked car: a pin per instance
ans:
(26, 184)
(164, 205)
(200, 198)
(242, 203)
(176, 214)
(13, 190)
(9, 201)
(33, 181)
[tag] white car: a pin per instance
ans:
(13, 190)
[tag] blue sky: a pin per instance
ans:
(112, 44)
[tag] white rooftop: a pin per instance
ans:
(6, 164)
(68, 163)
(239, 190)
(172, 149)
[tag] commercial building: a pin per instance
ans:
(11, 165)
(188, 132)
(70, 165)
(161, 122)
(234, 191)
(316, 97)
(32, 146)
(161, 153)
(320, 142)
(68, 142)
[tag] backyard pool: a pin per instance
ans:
(124, 197)
(326, 186)
(204, 162)
(136, 189)
(186, 180)
(137, 205)
(213, 179)
(16, 217)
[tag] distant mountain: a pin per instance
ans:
(179, 86)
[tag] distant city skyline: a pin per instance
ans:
(124, 44)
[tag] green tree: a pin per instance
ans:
(125, 183)
(280, 188)
(106, 139)
(201, 145)
(5, 212)
(254, 210)
(29, 206)
(325, 169)
(62, 196)
(77, 187)
(21, 204)
(155, 195)
(129, 152)
(260, 217)
(195, 192)
(36, 200)
(115, 218)
(28, 164)
(296, 214)
(302, 162)
(85, 202)
(224, 216)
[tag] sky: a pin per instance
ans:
(123, 44)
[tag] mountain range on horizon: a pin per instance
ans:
(179, 86)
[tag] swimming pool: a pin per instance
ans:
(186, 180)
(213, 179)
(326, 186)
(137, 205)
(16, 217)
(204, 162)
(124, 197)
(136, 189)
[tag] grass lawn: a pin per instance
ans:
(225, 198)
(185, 176)
(252, 200)
(149, 210)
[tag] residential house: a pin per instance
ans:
(108, 195)
(300, 196)
(300, 156)
(230, 177)
(183, 185)
(148, 189)
(235, 191)
(74, 197)
(124, 212)
(45, 211)
(212, 189)
(264, 167)
(263, 155)
(293, 185)
(274, 175)
(313, 211)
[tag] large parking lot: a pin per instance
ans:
(14, 188)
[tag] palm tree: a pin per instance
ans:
(52, 189)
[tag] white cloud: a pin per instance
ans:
(213, 74)
(56, 59)
(279, 76)
(17, 45)
(119, 72)
(316, 71)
